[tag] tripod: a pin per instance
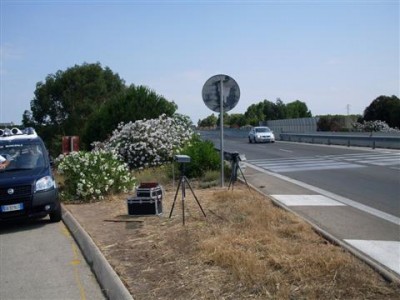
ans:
(235, 167)
(183, 179)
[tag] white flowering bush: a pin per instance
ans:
(149, 143)
(374, 126)
(92, 175)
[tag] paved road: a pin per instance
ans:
(369, 177)
(352, 194)
(40, 260)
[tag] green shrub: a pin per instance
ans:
(209, 179)
(161, 174)
(211, 175)
(203, 157)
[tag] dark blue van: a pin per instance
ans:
(27, 185)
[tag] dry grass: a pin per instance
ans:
(275, 254)
(246, 248)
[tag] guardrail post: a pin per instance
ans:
(348, 143)
(373, 144)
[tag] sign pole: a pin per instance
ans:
(221, 126)
(217, 103)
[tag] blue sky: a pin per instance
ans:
(329, 54)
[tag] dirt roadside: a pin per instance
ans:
(223, 256)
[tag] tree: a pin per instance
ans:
(64, 102)
(270, 110)
(264, 111)
(27, 119)
(297, 109)
(337, 122)
(274, 111)
(330, 123)
(384, 108)
(280, 109)
(136, 103)
(236, 120)
(226, 119)
(210, 121)
(254, 114)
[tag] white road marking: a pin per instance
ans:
(302, 164)
(385, 252)
(285, 150)
(327, 162)
(377, 159)
(307, 200)
(312, 166)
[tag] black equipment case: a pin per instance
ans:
(148, 200)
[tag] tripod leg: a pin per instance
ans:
(197, 200)
(231, 179)
(183, 200)
(230, 182)
(176, 194)
(235, 167)
(240, 169)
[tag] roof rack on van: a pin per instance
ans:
(16, 131)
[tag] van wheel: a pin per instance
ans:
(249, 140)
(55, 216)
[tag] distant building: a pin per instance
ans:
(7, 124)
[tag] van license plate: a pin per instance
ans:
(12, 207)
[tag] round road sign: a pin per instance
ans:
(212, 93)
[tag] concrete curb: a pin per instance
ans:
(108, 279)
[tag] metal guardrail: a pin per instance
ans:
(358, 139)
(373, 141)
(228, 132)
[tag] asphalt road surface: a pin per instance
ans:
(368, 176)
(40, 260)
(350, 194)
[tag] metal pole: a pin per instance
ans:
(221, 126)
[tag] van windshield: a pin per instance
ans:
(22, 156)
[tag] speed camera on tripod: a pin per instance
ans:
(183, 159)
(234, 156)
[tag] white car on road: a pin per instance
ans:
(261, 134)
